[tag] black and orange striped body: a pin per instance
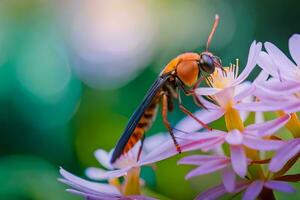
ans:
(144, 124)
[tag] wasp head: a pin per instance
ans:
(208, 62)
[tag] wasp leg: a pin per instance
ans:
(186, 111)
(166, 121)
(192, 92)
(141, 147)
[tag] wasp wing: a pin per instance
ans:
(136, 116)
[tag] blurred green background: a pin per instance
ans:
(72, 72)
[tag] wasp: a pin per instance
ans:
(183, 73)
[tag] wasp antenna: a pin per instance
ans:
(213, 30)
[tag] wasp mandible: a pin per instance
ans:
(183, 73)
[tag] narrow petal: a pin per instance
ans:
(247, 91)
(284, 154)
(253, 190)
(269, 127)
(201, 159)
(95, 173)
(189, 125)
(259, 117)
(238, 160)
(252, 57)
(113, 174)
(81, 184)
(154, 141)
(103, 158)
(280, 87)
(294, 47)
(280, 186)
(261, 144)
(279, 57)
(258, 107)
(207, 169)
(218, 191)
(234, 137)
(292, 107)
(268, 65)
(206, 91)
(228, 177)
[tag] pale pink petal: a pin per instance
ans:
(238, 160)
(252, 57)
(244, 115)
(294, 47)
(114, 173)
(218, 191)
(212, 144)
(261, 144)
(269, 127)
(258, 106)
(280, 87)
(154, 141)
(201, 159)
(84, 185)
(206, 91)
(189, 125)
(284, 154)
(207, 169)
(253, 190)
(234, 137)
(228, 177)
(95, 173)
(292, 107)
(268, 65)
(262, 77)
(273, 100)
(246, 91)
(103, 158)
(280, 186)
(279, 57)
(225, 96)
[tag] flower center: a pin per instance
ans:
(222, 79)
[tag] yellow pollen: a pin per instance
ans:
(222, 79)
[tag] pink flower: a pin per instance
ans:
(253, 189)
(209, 164)
(252, 137)
(282, 91)
(284, 154)
(95, 191)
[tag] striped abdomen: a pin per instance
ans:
(143, 125)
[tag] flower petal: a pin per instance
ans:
(255, 48)
(253, 190)
(279, 57)
(261, 144)
(257, 106)
(238, 160)
(284, 154)
(280, 186)
(294, 47)
(84, 185)
(292, 107)
(269, 127)
(206, 91)
(207, 168)
(103, 158)
(189, 125)
(95, 173)
(280, 87)
(228, 177)
(218, 191)
(268, 65)
(246, 91)
(201, 159)
(234, 137)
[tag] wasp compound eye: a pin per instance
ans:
(207, 63)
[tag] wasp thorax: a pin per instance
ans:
(187, 72)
